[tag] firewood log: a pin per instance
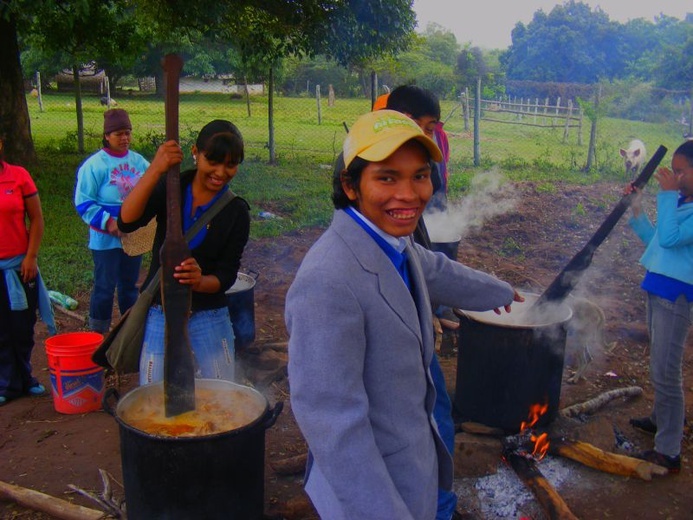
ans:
(295, 508)
(595, 404)
(53, 506)
(290, 465)
(550, 501)
(596, 458)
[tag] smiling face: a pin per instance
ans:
(212, 176)
(393, 193)
(119, 140)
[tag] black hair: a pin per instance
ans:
(686, 149)
(415, 101)
(220, 141)
(352, 176)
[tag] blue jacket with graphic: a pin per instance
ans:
(103, 182)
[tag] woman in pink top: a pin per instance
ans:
(21, 289)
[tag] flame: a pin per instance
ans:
(541, 445)
(535, 412)
(541, 441)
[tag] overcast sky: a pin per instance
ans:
(488, 23)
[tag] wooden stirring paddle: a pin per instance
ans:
(179, 371)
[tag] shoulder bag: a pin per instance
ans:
(122, 346)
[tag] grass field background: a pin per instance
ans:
(296, 189)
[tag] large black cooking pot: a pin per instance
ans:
(219, 476)
(509, 362)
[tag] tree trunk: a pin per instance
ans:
(78, 109)
(15, 126)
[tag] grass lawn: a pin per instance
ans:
(297, 188)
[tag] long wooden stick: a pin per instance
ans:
(53, 506)
(595, 404)
(179, 370)
(596, 458)
(567, 279)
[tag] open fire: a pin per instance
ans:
(528, 439)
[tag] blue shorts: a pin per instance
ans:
(211, 338)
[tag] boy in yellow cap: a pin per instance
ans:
(361, 335)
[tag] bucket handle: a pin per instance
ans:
(110, 393)
(273, 415)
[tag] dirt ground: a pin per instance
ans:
(46, 451)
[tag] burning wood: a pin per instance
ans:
(525, 466)
(522, 451)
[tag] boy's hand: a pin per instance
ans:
(517, 297)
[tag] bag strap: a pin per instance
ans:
(208, 215)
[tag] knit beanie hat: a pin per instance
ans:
(115, 119)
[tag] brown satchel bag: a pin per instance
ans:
(122, 346)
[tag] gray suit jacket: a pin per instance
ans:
(359, 355)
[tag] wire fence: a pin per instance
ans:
(510, 132)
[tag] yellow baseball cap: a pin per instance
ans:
(375, 136)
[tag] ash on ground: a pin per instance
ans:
(503, 495)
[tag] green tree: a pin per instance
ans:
(570, 44)
(348, 31)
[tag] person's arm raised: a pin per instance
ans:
(166, 156)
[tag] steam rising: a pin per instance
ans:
(489, 195)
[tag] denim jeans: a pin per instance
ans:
(211, 339)
(442, 413)
(112, 269)
(668, 323)
(16, 342)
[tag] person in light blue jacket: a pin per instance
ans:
(668, 281)
(103, 181)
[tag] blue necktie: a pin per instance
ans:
(400, 262)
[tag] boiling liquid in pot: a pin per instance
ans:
(216, 411)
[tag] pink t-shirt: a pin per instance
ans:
(16, 185)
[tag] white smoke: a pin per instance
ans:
(489, 195)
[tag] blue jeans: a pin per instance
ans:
(668, 323)
(211, 339)
(112, 269)
(442, 413)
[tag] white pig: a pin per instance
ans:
(633, 157)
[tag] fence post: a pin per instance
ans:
(536, 108)
(555, 113)
(582, 113)
(374, 88)
(690, 116)
(270, 120)
(568, 115)
(38, 90)
(465, 108)
(108, 91)
(317, 99)
(477, 117)
(593, 130)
